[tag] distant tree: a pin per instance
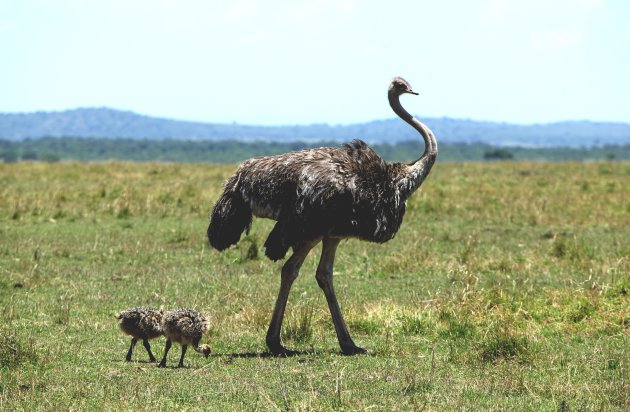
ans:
(498, 154)
(9, 156)
(52, 149)
(50, 157)
(29, 155)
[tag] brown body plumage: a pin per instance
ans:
(346, 191)
(324, 194)
(141, 323)
(186, 327)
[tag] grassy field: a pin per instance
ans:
(505, 289)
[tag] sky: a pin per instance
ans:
(278, 62)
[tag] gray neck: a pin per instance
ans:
(430, 144)
(419, 169)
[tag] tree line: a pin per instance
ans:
(53, 149)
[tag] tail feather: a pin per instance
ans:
(230, 217)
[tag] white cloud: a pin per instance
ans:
(239, 9)
(541, 24)
(504, 11)
(591, 4)
(313, 8)
(496, 11)
(555, 39)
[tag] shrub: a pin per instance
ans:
(498, 154)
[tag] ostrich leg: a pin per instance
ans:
(166, 349)
(181, 359)
(324, 278)
(147, 346)
(133, 343)
(290, 272)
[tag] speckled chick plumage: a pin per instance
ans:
(141, 322)
(185, 326)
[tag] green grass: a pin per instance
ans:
(505, 289)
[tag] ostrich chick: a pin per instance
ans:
(141, 323)
(185, 326)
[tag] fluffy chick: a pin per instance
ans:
(186, 327)
(141, 323)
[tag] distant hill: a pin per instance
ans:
(110, 123)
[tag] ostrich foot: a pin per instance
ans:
(162, 365)
(353, 350)
(277, 349)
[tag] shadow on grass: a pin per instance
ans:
(287, 354)
(133, 361)
(267, 354)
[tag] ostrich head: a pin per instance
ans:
(401, 86)
(204, 350)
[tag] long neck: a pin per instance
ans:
(418, 170)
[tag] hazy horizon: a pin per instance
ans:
(319, 61)
(393, 116)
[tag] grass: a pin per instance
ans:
(505, 289)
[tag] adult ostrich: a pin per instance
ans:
(326, 194)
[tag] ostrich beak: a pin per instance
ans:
(412, 92)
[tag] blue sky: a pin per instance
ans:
(319, 61)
